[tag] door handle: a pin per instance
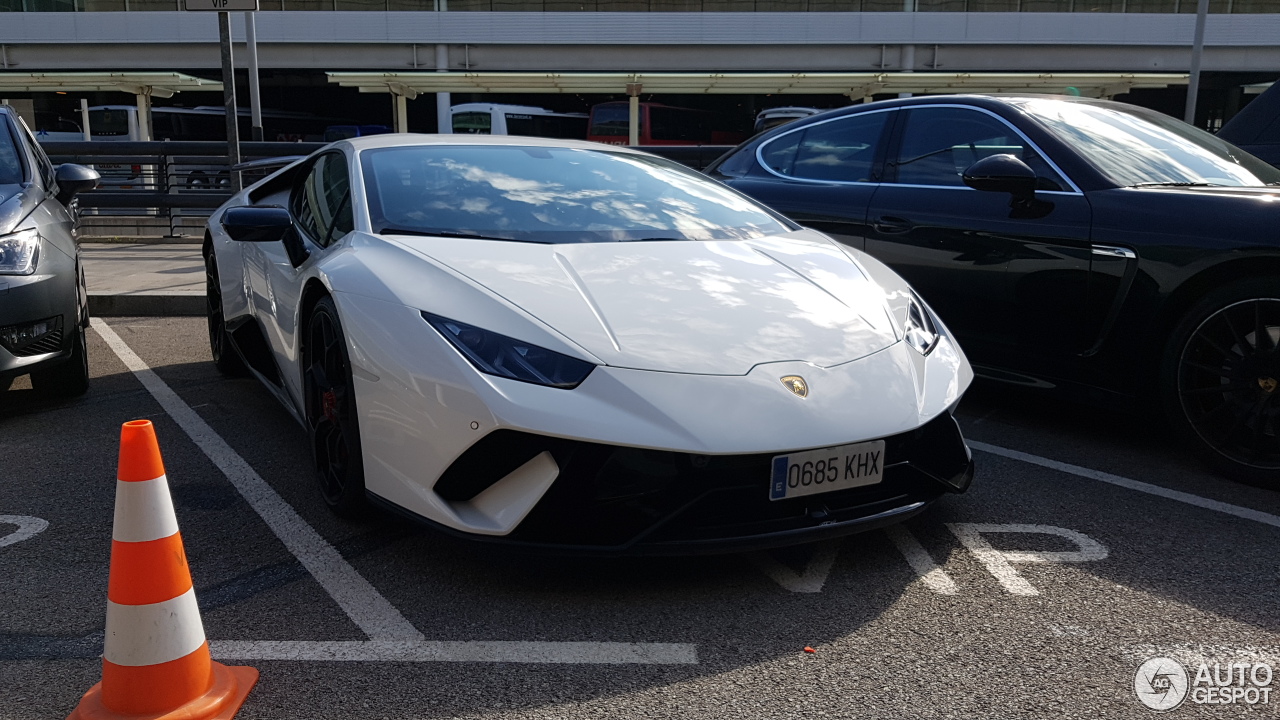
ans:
(892, 225)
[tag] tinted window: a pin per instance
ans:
(610, 120)
(841, 150)
(10, 164)
(939, 144)
(109, 123)
(322, 204)
(678, 124)
(553, 195)
(1136, 146)
(548, 126)
(472, 123)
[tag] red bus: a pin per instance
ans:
(659, 125)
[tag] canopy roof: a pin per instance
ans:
(154, 84)
(857, 85)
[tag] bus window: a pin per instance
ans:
(109, 123)
(564, 127)
(678, 124)
(474, 123)
(610, 120)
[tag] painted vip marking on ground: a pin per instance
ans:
(931, 576)
(392, 637)
(1000, 563)
(1124, 482)
(810, 579)
(28, 527)
(589, 653)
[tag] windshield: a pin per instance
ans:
(1135, 146)
(552, 195)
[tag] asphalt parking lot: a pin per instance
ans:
(1142, 553)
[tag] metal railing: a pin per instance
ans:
(176, 181)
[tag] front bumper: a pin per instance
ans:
(617, 500)
(51, 293)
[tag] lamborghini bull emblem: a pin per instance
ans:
(797, 385)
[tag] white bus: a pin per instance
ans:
(493, 119)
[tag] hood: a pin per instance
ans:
(706, 307)
(14, 206)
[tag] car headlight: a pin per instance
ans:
(921, 330)
(507, 357)
(19, 252)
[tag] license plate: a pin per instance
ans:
(826, 470)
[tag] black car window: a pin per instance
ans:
(841, 150)
(10, 164)
(939, 144)
(322, 204)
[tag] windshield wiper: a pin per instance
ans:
(448, 234)
(1177, 184)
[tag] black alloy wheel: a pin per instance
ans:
(1227, 380)
(331, 411)
(225, 357)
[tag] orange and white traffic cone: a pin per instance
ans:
(156, 662)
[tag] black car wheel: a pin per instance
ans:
(70, 378)
(331, 412)
(1221, 379)
(225, 357)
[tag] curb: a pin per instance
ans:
(147, 305)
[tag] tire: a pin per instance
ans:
(1220, 380)
(225, 357)
(330, 406)
(67, 379)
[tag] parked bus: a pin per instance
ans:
(659, 125)
(494, 119)
(120, 123)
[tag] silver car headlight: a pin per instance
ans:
(506, 357)
(921, 330)
(19, 252)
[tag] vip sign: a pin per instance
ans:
(223, 5)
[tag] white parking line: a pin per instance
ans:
(366, 607)
(809, 580)
(1124, 482)
(594, 653)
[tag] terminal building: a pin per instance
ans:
(369, 61)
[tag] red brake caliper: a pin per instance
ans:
(329, 403)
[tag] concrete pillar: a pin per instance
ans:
(633, 117)
(443, 102)
(144, 116)
(400, 108)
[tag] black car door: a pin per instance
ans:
(823, 175)
(1010, 281)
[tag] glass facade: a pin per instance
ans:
(1139, 6)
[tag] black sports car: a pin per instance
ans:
(1066, 242)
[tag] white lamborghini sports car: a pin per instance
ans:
(561, 343)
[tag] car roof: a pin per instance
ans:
(418, 139)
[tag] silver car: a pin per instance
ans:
(43, 303)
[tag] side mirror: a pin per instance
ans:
(1002, 173)
(257, 224)
(74, 179)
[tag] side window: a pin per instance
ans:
(939, 144)
(45, 167)
(322, 204)
(841, 150)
